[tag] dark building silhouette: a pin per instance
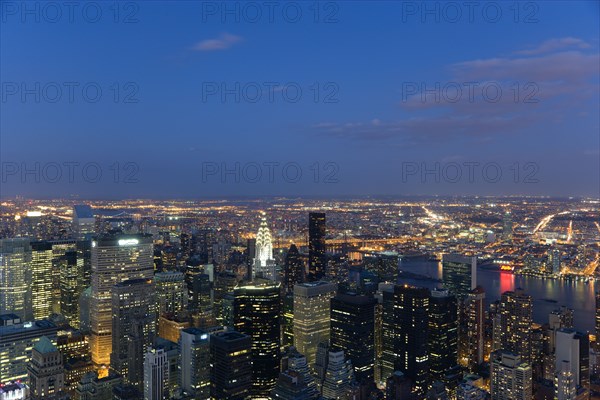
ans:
(317, 259)
(443, 333)
(231, 368)
(294, 269)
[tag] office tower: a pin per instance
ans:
(115, 259)
(74, 347)
(70, 287)
(398, 387)
(291, 386)
(475, 316)
(84, 222)
(443, 333)
(192, 270)
(510, 377)
(296, 362)
(516, 310)
(85, 300)
(231, 366)
(410, 316)
(339, 376)
(287, 322)
(312, 304)
(156, 374)
(320, 365)
(507, 226)
(459, 274)
(41, 279)
(17, 339)
(353, 329)
(564, 382)
(15, 278)
(317, 257)
(170, 292)
(384, 263)
(45, 371)
(201, 294)
(294, 269)
(133, 328)
(225, 282)
(264, 264)
(554, 261)
(573, 347)
(257, 313)
(195, 362)
(84, 262)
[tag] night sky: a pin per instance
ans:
(358, 97)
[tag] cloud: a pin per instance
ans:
(223, 42)
(546, 88)
(556, 44)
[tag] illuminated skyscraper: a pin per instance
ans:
(459, 274)
(409, 316)
(133, 328)
(70, 286)
(516, 313)
(312, 304)
(294, 269)
(84, 222)
(114, 259)
(339, 375)
(156, 374)
(317, 258)
(511, 378)
(231, 366)
(353, 329)
(507, 226)
(264, 264)
(443, 333)
(195, 362)
(15, 278)
(475, 316)
(41, 279)
(573, 347)
(257, 313)
(170, 292)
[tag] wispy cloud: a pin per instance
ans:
(556, 44)
(561, 80)
(223, 42)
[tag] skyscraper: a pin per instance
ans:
(264, 264)
(170, 292)
(353, 329)
(475, 316)
(195, 362)
(156, 374)
(516, 313)
(294, 269)
(115, 259)
(133, 328)
(573, 347)
(443, 333)
(231, 366)
(41, 279)
(459, 274)
(511, 378)
(317, 258)
(339, 375)
(84, 222)
(45, 371)
(312, 316)
(257, 313)
(507, 226)
(70, 286)
(15, 278)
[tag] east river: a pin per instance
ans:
(574, 294)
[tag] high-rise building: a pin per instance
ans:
(287, 321)
(231, 366)
(459, 274)
(170, 292)
(70, 286)
(45, 371)
(573, 347)
(565, 386)
(511, 379)
(41, 279)
(339, 376)
(317, 257)
(84, 222)
(443, 333)
(294, 269)
(156, 374)
(195, 362)
(133, 328)
(312, 304)
(257, 313)
(15, 278)
(294, 361)
(264, 264)
(17, 339)
(507, 226)
(291, 386)
(406, 349)
(115, 259)
(353, 329)
(516, 313)
(475, 316)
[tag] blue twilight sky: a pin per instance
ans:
(359, 97)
